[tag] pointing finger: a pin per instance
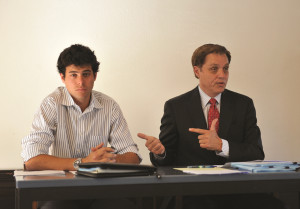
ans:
(197, 130)
(143, 136)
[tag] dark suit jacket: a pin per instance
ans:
(237, 125)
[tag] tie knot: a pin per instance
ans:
(212, 101)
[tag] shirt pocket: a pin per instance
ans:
(94, 141)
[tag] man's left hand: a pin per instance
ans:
(209, 139)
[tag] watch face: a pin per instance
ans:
(76, 162)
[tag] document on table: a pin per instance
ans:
(208, 171)
(38, 173)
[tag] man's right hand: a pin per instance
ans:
(153, 144)
(101, 154)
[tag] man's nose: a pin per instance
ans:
(80, 80)
(221, 73)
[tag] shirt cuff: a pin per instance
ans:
(225, 149)
(161, 156)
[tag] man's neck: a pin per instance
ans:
(83, 104)
(205, 98)
(208, 93)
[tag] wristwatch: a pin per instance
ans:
(76, 162)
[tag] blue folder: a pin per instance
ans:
(266, 166)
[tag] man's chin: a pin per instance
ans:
(220, 90)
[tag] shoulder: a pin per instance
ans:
(99, 96)
(52, 102)
(55, 97)
(234, 96)
(185, 97)
(104, 100)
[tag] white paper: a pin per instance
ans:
(38, 173)
(208, 171)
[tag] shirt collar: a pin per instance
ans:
(67, 100)
(205, 98)
(95, 103)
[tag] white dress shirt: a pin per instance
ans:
(61, 129)
(205, 106)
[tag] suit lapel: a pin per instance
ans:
(226, 114)
(195, 110)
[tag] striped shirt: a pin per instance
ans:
(61, 129)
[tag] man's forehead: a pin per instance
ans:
(212, 58)
(79, 68)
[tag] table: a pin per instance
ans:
(168, 182)
(7, 189)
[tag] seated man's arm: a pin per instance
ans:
(154, 145)
(244, 141)
(121, 140)
(129, 157)
(35, 146)
(48, 162)
(164, 150)
(98, 154)
(250, 147)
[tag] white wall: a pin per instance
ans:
(145, 48)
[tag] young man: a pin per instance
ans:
(76, 124)
(210, 125)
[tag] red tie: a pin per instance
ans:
(213, 113)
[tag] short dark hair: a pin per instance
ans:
(200, 53)
(78, 55)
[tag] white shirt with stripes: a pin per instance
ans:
(61, 129)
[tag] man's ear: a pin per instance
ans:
(95, 76)
(62, 77)
(197, 71)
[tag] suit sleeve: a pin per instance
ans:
(168, 137)
(250, 146)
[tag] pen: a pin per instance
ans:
(201, 166)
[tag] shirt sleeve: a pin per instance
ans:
(225, 149)
(42, 132)
(160, 157)
(120, 138)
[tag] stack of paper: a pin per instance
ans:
(38, 173)
(208, 171)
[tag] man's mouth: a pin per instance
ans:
(220, 83)
(80, 89)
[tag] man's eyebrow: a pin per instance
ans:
(214, 64)
(73, 71)
(85, 71)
